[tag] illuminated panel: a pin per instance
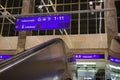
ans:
(43, 22)
(88, 56)
(85, 56)
(113, 59)
(5, 56)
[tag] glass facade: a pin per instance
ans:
(6, 23)
(117, 3)
(81, 23)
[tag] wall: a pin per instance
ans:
(73, 41)
(8, 43)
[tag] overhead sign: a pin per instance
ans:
(113, 59)
(85, 56)
(5, 56)
(88, 56)
(43, 22)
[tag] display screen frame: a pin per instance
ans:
(44, 22)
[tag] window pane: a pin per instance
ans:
(50, 9)
(59, 1)
(119, 25)
(68, 31)
(74, 7)
(100, 14)
(83, 26)
(83, 7)
(102, 26)
(42, 32)
(91, 16)
(74, 27)
(53, 1)
(67, 8)
(49, 32)
(117, 3)
(16, 33)
(92, 26)
(16, 3)
(59, 8)
(44, 10)
(57, 32)
(67, 1)
(15, 11)
(0, 27)
(83, 0)
(1, 19)
(75, 1)
(83, 15)
(74, 16)
(3, 2)
(35, 32)
(37, 2)
(5, 30)
(12, 31)
(9, 3)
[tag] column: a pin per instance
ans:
(27, 7)
(111, 25)
(110, 21)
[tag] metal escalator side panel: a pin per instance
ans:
(49, 62)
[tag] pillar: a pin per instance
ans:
(110, 21)
(27, 7)
(111, 26)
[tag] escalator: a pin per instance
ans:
(46, 61)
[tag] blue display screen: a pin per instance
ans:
(43, 22)
(88, 56)
(5, 56)
(113, 59)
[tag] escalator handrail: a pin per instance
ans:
(29, 51)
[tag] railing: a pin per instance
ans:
(46, 60)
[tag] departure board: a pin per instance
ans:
(43, 22)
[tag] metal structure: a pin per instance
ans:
(5, 13)
(46, 61)
(66, 12)
(49, 4)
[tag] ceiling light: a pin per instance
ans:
(85, 63)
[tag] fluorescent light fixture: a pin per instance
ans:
(85, 63)
(114, 67)
(87, 78)
(40, 6)
(101, 1)
(90, 3)
(115, 75)
(56, 78)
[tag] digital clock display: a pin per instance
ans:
(43, 22)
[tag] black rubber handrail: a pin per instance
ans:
(29, 51)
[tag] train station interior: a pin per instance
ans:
(59, 40)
